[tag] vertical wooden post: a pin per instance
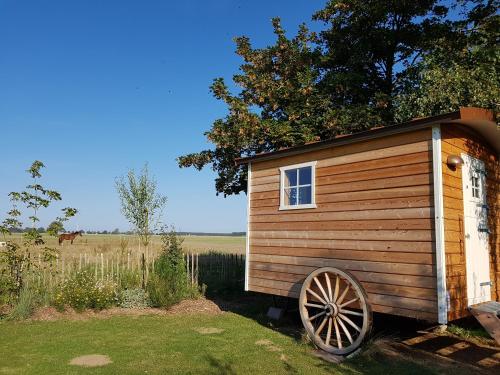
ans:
(192, 268)
(197, 267)
(102, 267)
(143, 271)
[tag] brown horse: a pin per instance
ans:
(69, 236)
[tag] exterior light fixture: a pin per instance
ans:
(454, 161)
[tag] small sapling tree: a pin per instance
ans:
(141, 204)
(18, 256)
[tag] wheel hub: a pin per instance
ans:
(331, 309)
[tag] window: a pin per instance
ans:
(297, 186)
(476, 185)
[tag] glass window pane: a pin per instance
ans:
(291, 177)
(291, 197)
(305, 196)
(305, 175)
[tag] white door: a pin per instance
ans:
(476, 231)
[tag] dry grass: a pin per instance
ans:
(95, 244)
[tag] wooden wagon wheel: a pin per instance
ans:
(334, 310)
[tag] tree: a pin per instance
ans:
(370, 44)
(300, 90)
(55, 228)
(459, 74)
(32, 199)
(140, 202)
(279, 81)
(356, 73)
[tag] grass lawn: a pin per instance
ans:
(171, 344)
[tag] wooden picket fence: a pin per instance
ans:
(209, 268)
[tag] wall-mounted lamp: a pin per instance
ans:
(454, 161)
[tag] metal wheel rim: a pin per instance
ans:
(327, 316)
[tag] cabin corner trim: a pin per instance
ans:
(247, 245)
(439, 225)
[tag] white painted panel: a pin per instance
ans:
(476, 231)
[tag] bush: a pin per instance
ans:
(134, 299)
(25, 305)
(82, 291)
(130, 279)
(168, 283)
(5, 287)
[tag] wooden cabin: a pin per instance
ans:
(411, 210)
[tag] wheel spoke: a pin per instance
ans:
(314, 305)
(342, 296)
(337, 333)
(346, 331)
(349, 302)
(315, 316)
(321, 326)
(329, 332)
(336, 293)
(316, 295)
(329, 285)
(351, 323)
(321, 289)
(350, 312)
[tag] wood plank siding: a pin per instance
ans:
(374, 217)
(457, 139)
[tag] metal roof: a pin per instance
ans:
(481, 120)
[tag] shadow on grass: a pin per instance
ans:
(220, 367)
(383, 350)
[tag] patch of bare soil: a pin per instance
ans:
(92, 360)
(199, 306)
(269, 345)
(208, 330)
(4, 309)
(195, 306)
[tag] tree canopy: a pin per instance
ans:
(374, 62)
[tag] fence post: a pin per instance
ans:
(143, 272)
(102, 267)
(197, 267)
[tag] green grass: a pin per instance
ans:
(162, 345)
(469, 332)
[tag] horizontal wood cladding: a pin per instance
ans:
(456, 140)
(374, 217)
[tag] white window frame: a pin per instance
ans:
(283, 206)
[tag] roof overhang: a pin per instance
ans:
(478, 119)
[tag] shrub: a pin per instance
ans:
(130, 279)
(134, 299)
(168, 283)
(24, 306)
(81, 291)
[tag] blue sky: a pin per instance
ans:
(93, 88)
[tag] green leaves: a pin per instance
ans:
(35, 197)
(140, 203)
(455, 76)
(374, 62)
(34, 169)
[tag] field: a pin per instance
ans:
(93, 244)
(227, 343)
